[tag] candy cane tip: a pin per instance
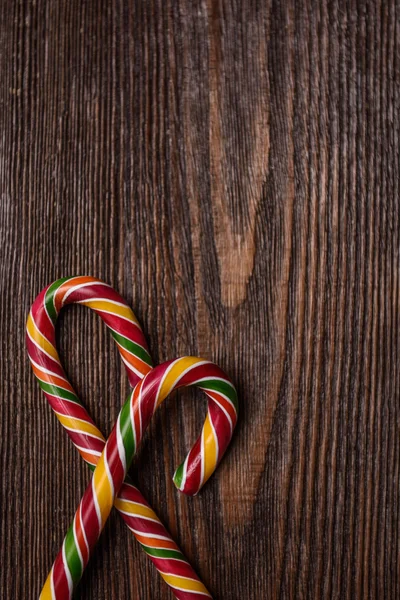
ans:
(180, 481)
(178, 477)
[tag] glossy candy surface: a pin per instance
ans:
(110, 461)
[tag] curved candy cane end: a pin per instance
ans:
(178, 477)
(190, 479)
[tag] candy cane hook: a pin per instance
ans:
(121, 446)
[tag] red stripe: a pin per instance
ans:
(221, 426)
(64, 288)
(43, 321)
(90, 292)
(180, 595)
(230, 409)
(43, 359)
(81, 538)
(177, 567)
(124, 327)
(130, 492)
(145, 527)
(86, 442)
(139, 416)
(193, 473)
(207, 371)
(149, 389)
(90, 521)
(60, 579)
(114, 461)
(69, 409)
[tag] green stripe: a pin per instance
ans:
(179, 476)
(126, 430)
(57, 391)
(72, 556)
(223, 387)
(132, 347)
(159, 553)
(49, 297)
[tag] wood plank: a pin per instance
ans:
(232, 168)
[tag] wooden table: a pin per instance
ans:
(232, 168)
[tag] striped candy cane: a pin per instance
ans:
(138, 515)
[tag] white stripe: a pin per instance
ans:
(202, 459)
(140, 412)
(181, 560)
(96, 437)
(204, 362)
(47, 371)
(38, 330)
(153, 536)
(184, 476)
(83, 529)
(76, 540)
(54, 385)
(103, 310)
(215, 437)
(120, 443)
(132, 353)
(68, 574)
(136, 516)
(132, 419)
(175, 587)
(102, 299)
(212, 399)
(130, 367)
(41, 349)
(96, 504)
(129, 340)
(216, 379)
(162, 381)
(197, 364)
(107, 466)
(133, 501)
(88, 451)
(63, 399)
(53, 298)
(45, 309)
(75, 418)
(78, 287)
(175, 575)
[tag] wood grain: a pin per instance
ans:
(232, 168)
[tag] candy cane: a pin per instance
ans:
(139, 517)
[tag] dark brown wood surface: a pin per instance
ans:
(232, 168)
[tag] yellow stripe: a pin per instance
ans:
(184, 583)
(134, 508)
(41, 341)
(81, 426)
(45, 594)
(106, 305)
(210, 449)
(175, 371)
(103, 489)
